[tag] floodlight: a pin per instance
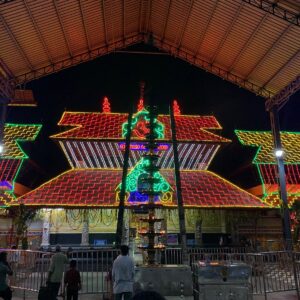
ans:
(279, 153)
(1, 148)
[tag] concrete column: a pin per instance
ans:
(125, 234)
(85, 229)
(46, 229)
(198, 232)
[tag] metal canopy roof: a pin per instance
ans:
(254, 44)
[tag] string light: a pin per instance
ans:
(106, 105)
(265, 161)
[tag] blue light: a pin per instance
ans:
(136, 197)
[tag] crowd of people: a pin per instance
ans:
(122, 277)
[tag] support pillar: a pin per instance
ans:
(181, 215)
(121, 208)
(125, 234)
(286, 220)
(85, 229)
(46, 229)
(198, 233)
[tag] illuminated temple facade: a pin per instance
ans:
(80, 205)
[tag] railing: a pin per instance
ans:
(271, 271)
(94, 267)
(174, 255)
(30, 269)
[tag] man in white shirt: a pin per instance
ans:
(122, 275)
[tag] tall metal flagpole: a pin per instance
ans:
(120, 224)
(286, 220)
(181, 214)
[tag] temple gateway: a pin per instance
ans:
(79, 206)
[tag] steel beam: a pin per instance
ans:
(84, 26)
(185, 22)
(228, 31)
(123, 19)
(73, 61)
(166, 21)
(286, 221)
(269, 51)
(283, 96)
(203, 32)
(7, 83)
(104, 21)
(140, 16)
(181, 215)
(276, 10)
(248, 42)
(286, 65)
(39, 34)
(149, 11)
(62, 28)
(14, 39)
(209, 67)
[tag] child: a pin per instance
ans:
(72, 281)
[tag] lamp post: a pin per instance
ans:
(286, 220)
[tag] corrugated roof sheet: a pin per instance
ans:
(252, 47)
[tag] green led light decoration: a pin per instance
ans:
(265, 156)
(263, 140)
(14, 134)
(140, 128)
(139, 170)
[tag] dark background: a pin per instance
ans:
(117, 76)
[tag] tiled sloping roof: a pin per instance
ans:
(109, 126)
(264, 141)
(272, 196)
(77, 188)
(206, 189)
(14, 133)
(97, 188)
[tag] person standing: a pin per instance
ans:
(5, 291)
(56, 270)
(72, 281)
(122, 275)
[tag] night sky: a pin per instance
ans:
(117, 76)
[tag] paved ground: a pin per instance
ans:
(274, 296)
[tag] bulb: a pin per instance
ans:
(279, 153)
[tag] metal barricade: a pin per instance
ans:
(174, 255)
(30, 268)
(171, 256)
(271, 271)
(95, 269)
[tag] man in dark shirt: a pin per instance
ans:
(72, 281)
(5, 291)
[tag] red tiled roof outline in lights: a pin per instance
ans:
(109, 126)
(96, 188)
